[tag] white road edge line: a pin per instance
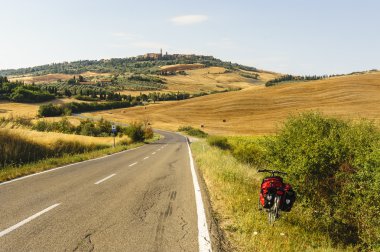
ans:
(203, 234)
(133, 164)
(65, 166)
(102, 180)
(10, 229)
(146, 158)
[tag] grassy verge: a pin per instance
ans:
(192, 131)
(11, 172)
(234, 190)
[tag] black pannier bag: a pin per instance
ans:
(269, 197)
(288, 198)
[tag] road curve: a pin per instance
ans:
(138, 200)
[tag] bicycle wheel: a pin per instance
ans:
(276, 206)
(271, 216)
(273, 212)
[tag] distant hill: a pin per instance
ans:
(259, 110)
(140, 64)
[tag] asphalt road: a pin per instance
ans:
(139, 200)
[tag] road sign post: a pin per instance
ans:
(114, 134)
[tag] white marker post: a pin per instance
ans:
(114, 134)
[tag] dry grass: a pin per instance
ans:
(179, 67)
(26, 109)
(51, 137)
(258, 110)
(206, 79)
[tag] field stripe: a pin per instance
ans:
(203, 234)
(102, 180)
(10, 229)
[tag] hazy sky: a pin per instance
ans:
(294, 36)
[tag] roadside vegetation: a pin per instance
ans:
(16, 150)
(191, 131)
(21, 155)
(137, 131)
(333, 165)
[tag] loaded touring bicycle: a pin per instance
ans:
(275, 195)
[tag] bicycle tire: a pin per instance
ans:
(273, 212)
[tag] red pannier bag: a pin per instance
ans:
(288, 198)
(269, 188)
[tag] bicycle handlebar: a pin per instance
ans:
(272, 171)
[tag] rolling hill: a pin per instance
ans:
(167, 73)
(258, 110)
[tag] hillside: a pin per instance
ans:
(258, 109)
(139, 64)
(146, 73)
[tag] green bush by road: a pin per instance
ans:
(333, 164)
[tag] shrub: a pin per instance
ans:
(193, 131)
(63, 126)
(88, 128)
(247, 151)
(22, 94)
(125, 142)
(136, 132)
(41, 125)
(219, 141)
(50, 110)
(334, 166)
(148, 132)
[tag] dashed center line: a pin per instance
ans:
(133, 164)
(102, 180)
(153, 153)
(10, 229)
(146, 158)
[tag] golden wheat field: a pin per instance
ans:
(260, 110)
(26, 109)
(209, 79)
(48, 138)
(206, 79)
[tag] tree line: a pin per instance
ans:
(19, 92)
(289, 77)
(114, 102)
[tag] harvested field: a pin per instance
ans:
(258, 110)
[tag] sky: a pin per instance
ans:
(304, 37)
